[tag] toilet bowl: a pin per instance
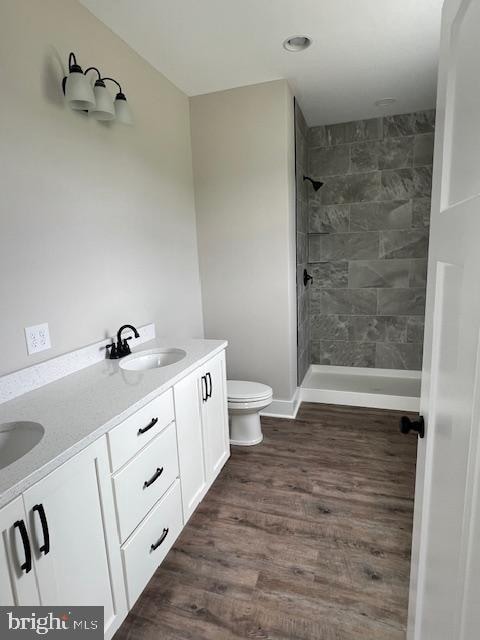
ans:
(245, 401)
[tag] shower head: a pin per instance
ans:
(316, 184)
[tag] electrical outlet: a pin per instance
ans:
(38, 338)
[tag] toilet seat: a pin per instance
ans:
(242, 391)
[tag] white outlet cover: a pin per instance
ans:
(38, 338)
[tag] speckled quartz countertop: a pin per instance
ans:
(81, 407)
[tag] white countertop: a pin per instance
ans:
(81, 407)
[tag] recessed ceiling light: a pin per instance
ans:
(385, 102)
(297, 43)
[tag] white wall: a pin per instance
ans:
(243, 152)
(97, 222)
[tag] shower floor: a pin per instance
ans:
(380, 388)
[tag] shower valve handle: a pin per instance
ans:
(306, 277)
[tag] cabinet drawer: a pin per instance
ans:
(151, 542)
(136, 431)
(143, 481)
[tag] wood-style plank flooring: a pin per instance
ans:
(305, 536)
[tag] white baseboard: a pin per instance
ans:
(283, 408)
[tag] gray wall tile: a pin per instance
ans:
(342, 246)
(328, 218)
(354, 131)
(409, 124)
(421, 212)
(329, 275)
(317, 137)
(415, 329)
(332, 327)
(418, 273)
(300, 122)
(356, 187)
(302, 248)
(405, 243)
(346, 354)
(328, 161)
(402, 184)
(378, 273)
(401, 302)
(366, 328)
(364, 157)
(372, 216)
(395, 329)
(302, 209)
(370, 220)
(398, 356)
(395, 153)
(423, 154)
(362, 302)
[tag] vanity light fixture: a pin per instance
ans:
(97, 100)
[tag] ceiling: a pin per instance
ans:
(362, 51)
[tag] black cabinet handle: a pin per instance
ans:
(407, 425)
(209, 392)
(204, 389)
(151, 424)
(45, 548)
(155, 546)
(155, 476)
(27, 565)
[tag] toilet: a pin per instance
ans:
(245, 401)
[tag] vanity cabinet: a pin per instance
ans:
(70, 531)
(17, 577)
(215, 416)
(95, 529)
(202, 429)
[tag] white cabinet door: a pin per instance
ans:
(74, 539)
(187, 395)
(215, 416)
(17, 576)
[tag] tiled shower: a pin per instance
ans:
(363, 237)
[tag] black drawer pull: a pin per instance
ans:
(45, 548)
(155, 546)
(204, 389)
(155, 476)
(151, 424)
(27, 565)
(209, 378)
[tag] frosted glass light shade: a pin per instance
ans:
(103, 109)
(122, 110)
(79, 92)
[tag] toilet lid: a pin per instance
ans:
(241, 390)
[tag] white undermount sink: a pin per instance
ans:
(17, 439)
(152, 359)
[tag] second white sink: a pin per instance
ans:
(17, 439)
(152, 359)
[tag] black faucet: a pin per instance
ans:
(122, 348)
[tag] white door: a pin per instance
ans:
(445, 580)
(74, 539)
(17, 574)
(187, 395)
(215, 416)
